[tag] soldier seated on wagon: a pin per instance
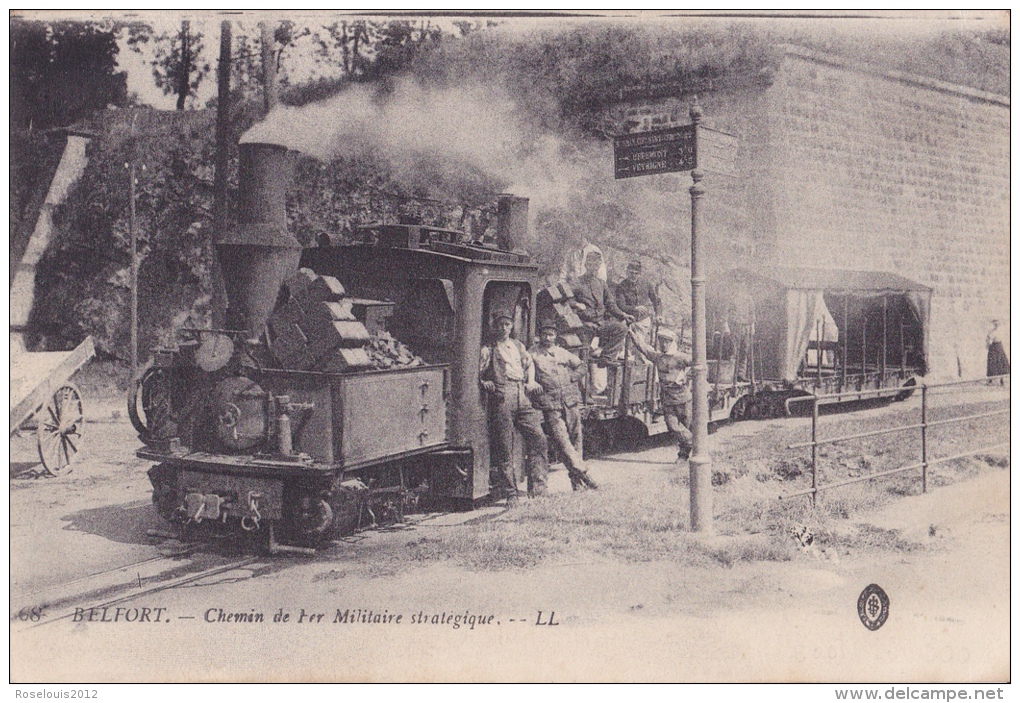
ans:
(640, 298)
(596, 306)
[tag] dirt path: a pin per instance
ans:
(793, 620)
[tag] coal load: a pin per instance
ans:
(555, 300)
(386, 352)
(317, 328)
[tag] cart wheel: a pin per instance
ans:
(61, 424)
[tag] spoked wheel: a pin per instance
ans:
(61, 426)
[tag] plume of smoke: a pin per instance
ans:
(429, 136)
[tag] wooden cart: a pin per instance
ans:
(40, 387)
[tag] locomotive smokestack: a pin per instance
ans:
(511, 222)
(258, 254)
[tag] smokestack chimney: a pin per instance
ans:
(258, 254)
(511, 222)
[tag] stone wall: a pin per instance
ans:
(870, 170)
(843, 166)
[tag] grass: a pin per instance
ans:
(645, 518)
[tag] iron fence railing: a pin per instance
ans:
(926, 461)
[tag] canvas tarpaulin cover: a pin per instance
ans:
(791, 303)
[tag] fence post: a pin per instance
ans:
(924, 437)
(814, 451)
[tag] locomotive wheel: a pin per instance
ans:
(739, 410)
(61, 425)
(908, 390)
(139, 422)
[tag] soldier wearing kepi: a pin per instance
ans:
(558, 372)
(507, 374)
(596, 306)
(673, 366)
(636, 296)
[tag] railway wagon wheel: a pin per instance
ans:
(60, 431)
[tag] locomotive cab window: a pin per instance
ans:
(502, 297)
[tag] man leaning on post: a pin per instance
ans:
(558, 371)
(507, 374)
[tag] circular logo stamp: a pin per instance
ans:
(873, 607)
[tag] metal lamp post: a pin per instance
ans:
(700, 460)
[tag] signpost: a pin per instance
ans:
(648, 153)
(696, 149)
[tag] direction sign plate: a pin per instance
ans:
(647, 153)
(717, 151)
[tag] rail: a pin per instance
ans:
(925, 462)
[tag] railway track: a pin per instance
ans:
(189, 563)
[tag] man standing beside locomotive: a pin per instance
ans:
(674, 389)
(507, 374)
(557, 371)
(594, 303)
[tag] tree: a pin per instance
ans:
(177, 65)
(365, 50)
(399, 43)
(61, 71)
(246, 63)
(349, 39)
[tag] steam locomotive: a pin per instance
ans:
(345, 389)
(345, 392)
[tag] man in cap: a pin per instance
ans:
(558, 372)
(673, 366)
(596, 306)
(507, 374)
(637, 297)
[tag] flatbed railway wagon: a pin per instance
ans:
(780, 333)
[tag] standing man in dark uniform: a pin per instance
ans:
(594, 304)
(507, 374)
(558, 372)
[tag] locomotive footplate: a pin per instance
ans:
(253, 490)
(241, 465)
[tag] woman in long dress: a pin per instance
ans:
(998, 363)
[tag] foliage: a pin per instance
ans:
(344, 43)
(368, 50)
(60, 71)
(33, 158)
(177, 66)
(86, 271)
